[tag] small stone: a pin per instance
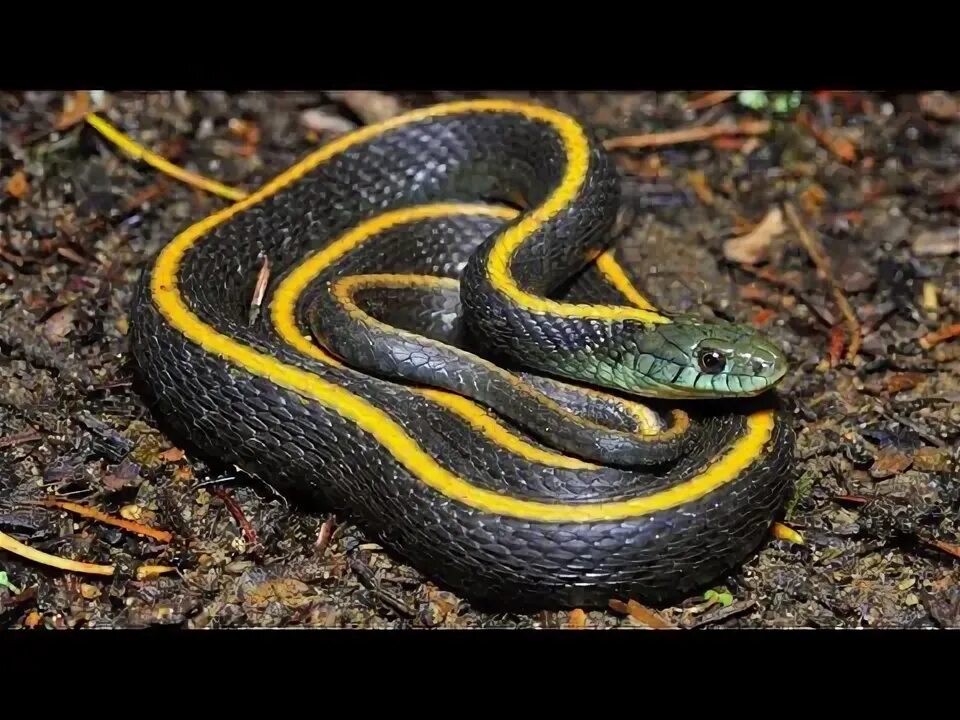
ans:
(89, 592)
(935, 243)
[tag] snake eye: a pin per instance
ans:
(711, 361)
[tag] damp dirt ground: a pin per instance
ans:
(831, 220)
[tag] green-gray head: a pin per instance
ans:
(690, 358)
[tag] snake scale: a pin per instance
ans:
(451, 354)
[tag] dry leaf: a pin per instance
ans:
(75, 108)
(753, 247)
(939, 105)
(371, 106)
(17, 185)
(322, 122)
(172, 455)
(59, 325)
(898, 382)
(647, 616)
(889, 463)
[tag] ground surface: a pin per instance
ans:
(874, 180)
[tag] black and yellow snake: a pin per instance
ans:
(448, 353)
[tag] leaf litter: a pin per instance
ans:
(877, 505)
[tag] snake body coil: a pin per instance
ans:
(456, 374)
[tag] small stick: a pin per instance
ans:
(259, 290)
(135, 527)
(891, 415)
(938, 336)
(145, 572)
(25, 551)
(237, 513)
(710, 99)
(780, 282)
(687, 135)
(948, 548)
(138, 152)
(820, 259)
(20, 438)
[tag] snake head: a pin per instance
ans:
(691, 357)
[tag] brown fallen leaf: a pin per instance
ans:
(323, 122)
(889, 463)
(763, 317)
(939, 105)
(837, 144)
(58, 326)
(172, 455)
(370, 106)
(898, 382)
(18, 186)
(76, 105)
(754, 247)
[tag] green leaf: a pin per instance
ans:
(5, 582)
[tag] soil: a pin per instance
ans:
(817, 202)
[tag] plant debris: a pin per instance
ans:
(93, 184)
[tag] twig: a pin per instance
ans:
(369, 581)
(135, 527)
(839, 146)
(324, 536)
(687, 135)
(138, 152)
(259, 290)
(643, 614)
(855, 499)
(25, 551)
(145, 572)
(764, 274)
(891, 415)
(710, 99)
(948, 548)
(820, 259)
(938, 336)
(718, 614)
(237, 512)
(20, 438)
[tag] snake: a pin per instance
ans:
(450, 351)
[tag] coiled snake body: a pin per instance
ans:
(448, 352)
